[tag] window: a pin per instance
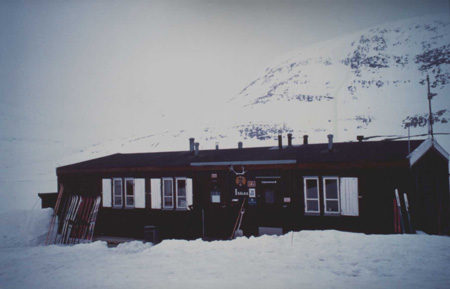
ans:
(340, 195)
(181, 193)
(129, 193)
(331, 195)
(215, 195)
(171, 193)
(123, 193)
(311, 190)
(117, 193)
(167, 194)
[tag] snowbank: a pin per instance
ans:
(306, 259)
(24, 227)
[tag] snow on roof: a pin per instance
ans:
(425, 147)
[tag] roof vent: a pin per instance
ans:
(330, 142)
(191, 144)
(240, 145)
(217, 146)
(290, 139)
(196, 145)
(360, 138)
(280, 142)
(305, 139)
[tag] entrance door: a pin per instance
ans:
(269, 206)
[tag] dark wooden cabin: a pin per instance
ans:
(192, 194)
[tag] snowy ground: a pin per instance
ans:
(307, 259)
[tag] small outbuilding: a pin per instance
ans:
(215, 194)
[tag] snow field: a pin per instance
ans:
(306, 259)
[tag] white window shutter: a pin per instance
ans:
(155, 186)
(139, 193)
(106, 191)
(189, 193)
(349, 197)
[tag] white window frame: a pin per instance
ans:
(114, 193)
(325, 199)
(163, 194)
(176, 193)
(125, 193)
(316, 178)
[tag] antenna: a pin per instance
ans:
(430, 119)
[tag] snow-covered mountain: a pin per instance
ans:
(370, 83)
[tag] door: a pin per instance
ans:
(269, 206)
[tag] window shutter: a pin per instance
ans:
(349, 197)
(106, 191)
(139, 193)
(189, 193)
(155, 186)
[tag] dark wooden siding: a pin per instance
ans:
(216, 220)
(430, 206)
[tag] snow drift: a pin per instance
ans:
(306, 259)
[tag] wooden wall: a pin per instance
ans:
(216, 220)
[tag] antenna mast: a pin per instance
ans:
(430, 118)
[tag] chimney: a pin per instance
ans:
(330, 142)
(360, 138)
(240, 145)
(280, 142)
(217, 146)
(290, 139)
(305, 139)
(196, 145)
(191, 144)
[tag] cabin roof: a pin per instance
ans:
(370, 151)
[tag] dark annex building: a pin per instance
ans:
(221, 193)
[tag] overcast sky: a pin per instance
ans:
(87, 64)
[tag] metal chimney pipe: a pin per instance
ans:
(240, 145)
(330, 142)
(217, 146)
(290, 139)
(305, 139)
(280, 142)
(191, 144)
(196, 145)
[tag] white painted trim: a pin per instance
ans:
(139, 193)
(441, 150)
(163, 194)
(155, 192)
(106, 193)
(189, 192)
(423, 148)
(311, 199)
(234, 163)
(349, 196)
(114, 193)
(325, 199)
